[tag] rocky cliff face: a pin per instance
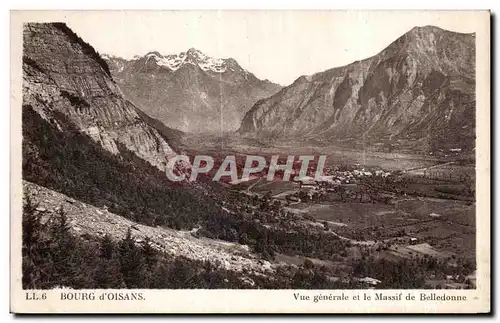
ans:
(190, 91)
(63, 74)
(419, 91)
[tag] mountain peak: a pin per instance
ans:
(153, 53)
(194, 55)
(193, 51)
(404, 94)
(191, 56)
(427, 28)
(430, 29)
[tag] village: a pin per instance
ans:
(378, 212)
(337, 185)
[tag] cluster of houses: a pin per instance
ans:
(368, 282)
(338, 178)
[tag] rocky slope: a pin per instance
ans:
(63, 74)
(86, 219)
(419, 91)
(190, 91)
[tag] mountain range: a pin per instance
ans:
(419, 92)
(83, 138)
(190, 91)
(98, 131)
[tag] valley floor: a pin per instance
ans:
(411, 226)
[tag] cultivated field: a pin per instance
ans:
(430, 210)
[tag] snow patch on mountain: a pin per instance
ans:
(192, 56)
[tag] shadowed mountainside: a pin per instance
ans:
(191, 91)
(418, 92)
(63, 74)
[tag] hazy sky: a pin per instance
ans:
(277, 45)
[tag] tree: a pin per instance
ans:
(31, 224)
(66, 253)
(131, 261)
(160, 277)
(107, 247)
(150, 254)
(108, 273)
(308, 264)
(36, 270)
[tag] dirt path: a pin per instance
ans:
(430, 167)
(252, 185)
(356, 242)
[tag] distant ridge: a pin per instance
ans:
(190, 91)
(418, 93)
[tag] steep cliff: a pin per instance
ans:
(63, 74)
(419, 91)
(82, 138)
(190, 91)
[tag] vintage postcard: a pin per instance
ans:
(250, 161)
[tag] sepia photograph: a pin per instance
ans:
(328, 155)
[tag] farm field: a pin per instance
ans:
(430, 211)
(402, 212)
(231, 144)
(448, 226)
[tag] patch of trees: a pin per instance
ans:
(409, 273)
(404, 274)
(269, 230)
(423, 186)
(69, 161)
(304, 242)
(52, 256)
